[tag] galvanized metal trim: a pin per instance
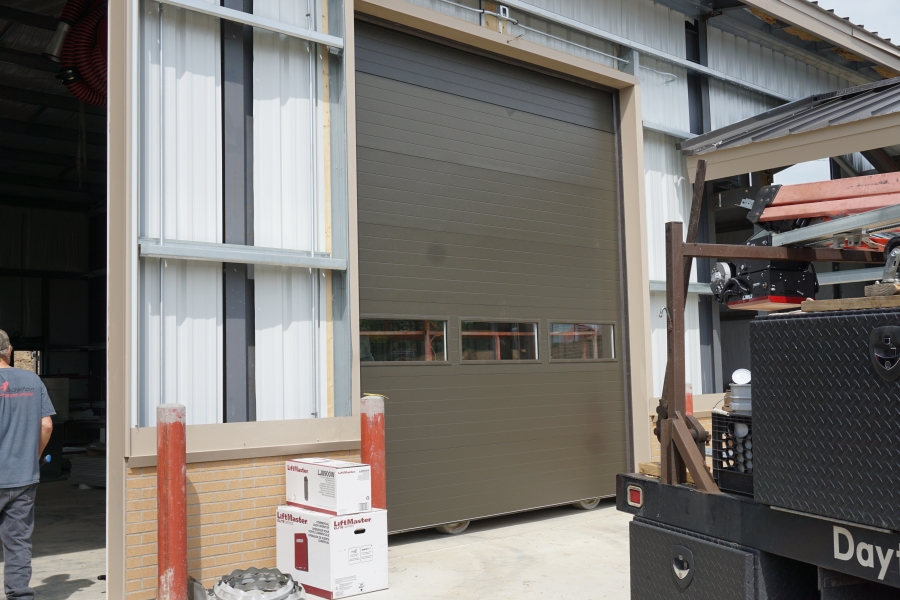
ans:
(852, 276)
(663, 129)
(693, 288)
(234, 253)
(868, 221)
(658, 54)
(236, 16)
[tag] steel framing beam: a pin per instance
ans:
(62, 205)
(235, 253)
(50, 100)
(50, 132)
(28, 18)
(29, 60)
(48, 158)
(236, 16)
(86, 191)
(643, 49)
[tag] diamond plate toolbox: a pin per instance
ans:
(668, 562)
(827, 426)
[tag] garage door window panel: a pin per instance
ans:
(582, 341)
(288, 254)
(493, 341)
(402, 341)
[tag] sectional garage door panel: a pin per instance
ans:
(432, 66)
(487, 191)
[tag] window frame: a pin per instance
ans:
(537, 345)
(599, 322)
(408, 363)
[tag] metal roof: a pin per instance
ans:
(816, 112)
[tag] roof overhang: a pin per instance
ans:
(832, 28)
(837, 140)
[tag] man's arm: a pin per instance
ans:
(46, 430)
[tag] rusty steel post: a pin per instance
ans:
(171, 499)
(672, 469)
(372, 446)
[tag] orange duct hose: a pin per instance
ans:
(84, 52)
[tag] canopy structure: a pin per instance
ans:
(862, 119)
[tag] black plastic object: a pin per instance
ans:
(826, 424)
(730, 452)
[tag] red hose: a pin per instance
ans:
(84, 53)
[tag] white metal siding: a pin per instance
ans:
(643, 21)
(288, 214)
(664, 98)
(181, 162)
(761, 66)
(668, 198)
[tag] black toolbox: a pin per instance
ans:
(668, 562)
(826, 415)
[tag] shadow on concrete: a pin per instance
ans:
(68, 519)
(494, 523)
(60, 587)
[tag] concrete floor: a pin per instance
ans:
(560, 553)
(69, 543)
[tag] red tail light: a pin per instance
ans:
(635, 496)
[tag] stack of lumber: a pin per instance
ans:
(833, 199)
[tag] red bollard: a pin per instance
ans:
(372, 444)
(688, 399)
(171, 501)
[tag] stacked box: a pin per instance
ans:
(328, 537)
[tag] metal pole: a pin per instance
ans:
(171, 502)
(372, 446)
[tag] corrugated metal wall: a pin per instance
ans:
(288, 178)
(761, 66)
(668, 198)
(180, 310)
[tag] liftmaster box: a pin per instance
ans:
(333, 556)
(334, 487)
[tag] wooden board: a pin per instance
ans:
(882, 289)
(851, 304)
(829, 208)
(853, 187)
(652, 469)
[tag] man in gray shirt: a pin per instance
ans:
(25, 428)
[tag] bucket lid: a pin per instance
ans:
(741, 377)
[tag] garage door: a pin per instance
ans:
(490, 280)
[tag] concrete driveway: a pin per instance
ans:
(559, 553)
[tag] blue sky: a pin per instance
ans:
(881, 16)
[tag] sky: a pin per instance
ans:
(881, 16)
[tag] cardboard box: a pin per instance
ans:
(334, 487)
(333, 556)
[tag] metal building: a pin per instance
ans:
(291, 203)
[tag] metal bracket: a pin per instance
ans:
(764, 198)
(891, 266)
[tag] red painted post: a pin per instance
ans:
(688, 399)
(171, 499)
(372, 446)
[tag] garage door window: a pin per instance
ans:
(492, 341)
(582, 341)
(399, 340)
